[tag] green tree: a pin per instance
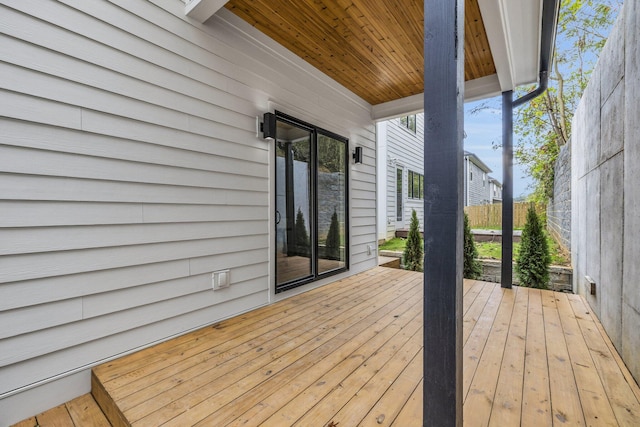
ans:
(301, 235)
(472, 267)
(532, 264)
(332, 245)
(413, 251)
(544, 124)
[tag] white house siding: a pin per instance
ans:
(130, 170)
(477, 188)
(405, 150)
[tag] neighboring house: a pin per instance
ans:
(495, 190)
(400, 179)
(400, 173)
(477, 182)
(134, 170)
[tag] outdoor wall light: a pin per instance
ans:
(268, 126)
(357, 155)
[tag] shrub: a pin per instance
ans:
(301, 236)
(333, 238)
(472, 267)
(532, 264)
(413, 250)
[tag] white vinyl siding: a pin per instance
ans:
(130, 170)
(405, 150)
(477, 190)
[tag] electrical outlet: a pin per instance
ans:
(220, 279)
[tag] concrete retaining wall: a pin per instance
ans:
(605, 222)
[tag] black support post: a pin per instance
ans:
(443, 207)
(506, 278)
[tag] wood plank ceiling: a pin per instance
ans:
(374, 48)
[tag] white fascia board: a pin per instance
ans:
(513, 29)
(496, 27)
(474, 90)
(201, 10)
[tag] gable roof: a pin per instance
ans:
(476, 160)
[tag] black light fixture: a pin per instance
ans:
(268, 126)
(357, 155)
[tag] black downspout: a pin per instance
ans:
(549, 23)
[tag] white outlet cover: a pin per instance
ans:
(221, 279)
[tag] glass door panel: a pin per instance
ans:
(332, 213)
(293, 204)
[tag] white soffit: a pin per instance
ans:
(513, 29)
(201, 10)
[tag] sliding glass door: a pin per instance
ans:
(311, 203)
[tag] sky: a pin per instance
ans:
(484, 130)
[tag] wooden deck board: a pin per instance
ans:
(507, 404)
(79, 412)
(536, 396)
(350, 353)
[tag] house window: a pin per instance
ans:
(409, 122)
(311, 208)
(399, 195)
(470, 175)
(416, 185)
(484, 179)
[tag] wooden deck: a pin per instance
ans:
(350, 354)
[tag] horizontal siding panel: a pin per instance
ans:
(56, 89)
(35, 369)
(23, 55)
(69, 335)
(363, 203)
(361, 221)
(228, 260)
(19, 106)
(49, 163)
(49, 239)
(39, 291)
(23, 320)
(50, 289)
(42, 214)
(192, 213)
(223, 141)
(363, 231)
(25, 187)
(21, 134)
(102, 304)
(20, 267)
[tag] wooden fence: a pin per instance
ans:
(490, 216)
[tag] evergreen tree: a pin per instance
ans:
(302, 238)
(532, 265)
(332, 245)
(413, 250)
(472, 267)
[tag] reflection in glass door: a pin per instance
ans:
(332, 198)
(293, 203)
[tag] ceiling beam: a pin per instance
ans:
(484, 87)
(201, 10)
